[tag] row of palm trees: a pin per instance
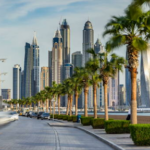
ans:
(98, 69)
(133, 30)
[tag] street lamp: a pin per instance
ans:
(3, 73)
(53, 107)
(2, 59)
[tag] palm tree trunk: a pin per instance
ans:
(54, 107)
(50, 106)
(47, 105)
(30, 107)
(68, 106)
(58, 104)
(133, 96)
(71, 105)
(95, 101)
(86, 89)
(76, 101)
(105, 82)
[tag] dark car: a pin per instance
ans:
(45, 116)
(39, 115)
(29, 113)
(33, 114)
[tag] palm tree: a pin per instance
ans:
(29, 102)
(141, 2)
(49, 96)
(132, 30)
(15, 102)
(93, 66)
(85, 78)
(77, 87)
(109, 68)
(43, 97)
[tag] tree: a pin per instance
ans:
(77, 87)
(93, 66)
(133, 30)
(141, 2)
(85, 82)
(43, 97)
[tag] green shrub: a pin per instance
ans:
(86, 121)
(51, 116)
(74, 118)
(60, 116)
(65, 117)
(140, 134)
(56, 116)
(117, 126)
(70, 118)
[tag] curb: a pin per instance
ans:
(113, 145)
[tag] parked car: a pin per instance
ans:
(14, 115)
(33, 114)
(29, 113)
(45, 116)
(39, 115)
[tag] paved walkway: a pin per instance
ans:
(33, 134)
(122, 140)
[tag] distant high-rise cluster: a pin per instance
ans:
(29, 78)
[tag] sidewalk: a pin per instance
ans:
(118, 141)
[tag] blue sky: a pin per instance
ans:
(20, 18)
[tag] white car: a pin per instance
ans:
(13, 116)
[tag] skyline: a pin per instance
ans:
(16, 30)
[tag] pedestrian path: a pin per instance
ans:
(123, 141)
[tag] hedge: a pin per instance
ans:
(98, 123)
(74, 118)
(65, 117)
(70, 118)
(56, 116)
(117, 126)
(60, 116)
(86, 121)
(140, 134)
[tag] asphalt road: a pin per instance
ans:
(33, 134)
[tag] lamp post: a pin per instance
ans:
(4, 73)
(53, 107)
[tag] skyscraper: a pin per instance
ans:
(121, 95)
(88, 43)
(44, 78)
(22, 85)
(128, 84)
(138, 95)
(16, 82)
(77, 59)
(57, 58)
(6, 94)
(50, 67)
(145, 77)
(77, 62)
(28, 67)
(65, 33)
(98, 48)
(36, 64)
(113, 90)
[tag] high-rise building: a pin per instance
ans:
(57, 58)
(145, 77)
(128, 84)
(6, 93)
(65, 33)
(113, 90)
(44, 77)
(98, 48)
(36, 66)
(122, 100)
(50, 67)
(68, 72)
(16, 82)
(138, 95)
(28, 67)
(77, 59)
(22, 85)
(88, 43)
(77, 62)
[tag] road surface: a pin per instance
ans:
(33, 134)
